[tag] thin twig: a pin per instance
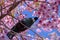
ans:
(1, 9)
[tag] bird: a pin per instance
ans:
(19, 27)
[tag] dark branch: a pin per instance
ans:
(14, 5)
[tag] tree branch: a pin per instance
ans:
(14, 5)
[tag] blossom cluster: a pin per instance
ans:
(46, 10)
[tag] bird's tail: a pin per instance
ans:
(10, 34)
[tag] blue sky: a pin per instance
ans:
(59, 10)
(29, 14)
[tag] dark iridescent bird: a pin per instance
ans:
(20, 28)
